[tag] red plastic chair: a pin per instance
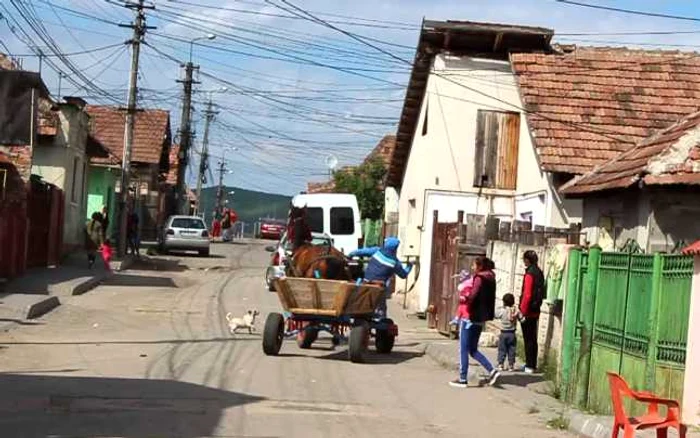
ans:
(650, 420)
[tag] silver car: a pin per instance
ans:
(185, 233)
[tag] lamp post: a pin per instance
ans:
(211, 36)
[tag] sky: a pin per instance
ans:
(289, 92)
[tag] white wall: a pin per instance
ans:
(443, 159)
(55, 163)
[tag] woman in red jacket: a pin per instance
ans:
(530, 302)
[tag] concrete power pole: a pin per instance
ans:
(209, 116)
(185, 138)
(139, 27)
(220, 190)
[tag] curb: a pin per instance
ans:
(87, 285)
(448, 361)
(42, 307)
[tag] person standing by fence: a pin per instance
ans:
(531, 298)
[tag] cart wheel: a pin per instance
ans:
(306, 337)
(384, 339)
(273, 334)
(359, 338)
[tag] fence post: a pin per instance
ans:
(588, 312)
(652, 324)
(570, 320)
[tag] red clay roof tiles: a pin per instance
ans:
(151, 133)
(671, 156)
(589, 104)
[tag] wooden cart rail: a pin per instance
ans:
(310, 296)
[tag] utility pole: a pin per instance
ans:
(220, 190)
(139, 27)
(209, 116)
(185, 137)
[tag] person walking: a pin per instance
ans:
(132, 232)
(531, 298)
(216, 224)
(477, 305)
(94, 237)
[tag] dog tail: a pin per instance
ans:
(228, 316)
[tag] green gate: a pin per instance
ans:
(626, 313)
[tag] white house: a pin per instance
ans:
(61, 158)
(463, 141)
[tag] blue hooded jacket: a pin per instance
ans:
(384, 264)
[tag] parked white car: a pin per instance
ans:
(282, 251)
(185, 233)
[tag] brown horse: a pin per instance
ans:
(313, 261)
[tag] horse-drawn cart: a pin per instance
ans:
(315, 305)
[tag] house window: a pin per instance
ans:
(74, 181)
(496, 157)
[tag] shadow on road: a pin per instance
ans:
(374, 358)
(21, 321)
(138, 342)
(519, 379)
(40, 406)
(157, 264)
(138, 280)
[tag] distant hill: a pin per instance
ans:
(248, 204)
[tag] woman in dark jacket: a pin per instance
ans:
(480, 303)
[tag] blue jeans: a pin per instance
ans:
(469, 334)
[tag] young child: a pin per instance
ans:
(106, 251)
(464, 288)
(507, 315)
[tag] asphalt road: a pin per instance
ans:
(149, 355)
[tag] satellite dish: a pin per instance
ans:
(331, 162)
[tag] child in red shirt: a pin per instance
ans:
(106, 251)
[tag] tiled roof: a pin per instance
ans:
(586, 105)
(384, 150)
(692, 249)
(151, 133)
(671, 156)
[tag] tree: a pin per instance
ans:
(365, 182)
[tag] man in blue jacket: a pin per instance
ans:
(382, 267)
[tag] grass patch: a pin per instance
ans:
(560, 422)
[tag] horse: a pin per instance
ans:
(313, 261)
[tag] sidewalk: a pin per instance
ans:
(40, 290)
(529, 392)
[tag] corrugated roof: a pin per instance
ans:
(151, 134)
(586, 105)
(671, 156)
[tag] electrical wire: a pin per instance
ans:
(628, 11)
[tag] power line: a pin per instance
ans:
(628, 11)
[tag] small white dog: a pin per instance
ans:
(248, 321)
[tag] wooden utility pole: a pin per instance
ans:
(139, 27)
(203, 162)
(220, 190)
(185, 138)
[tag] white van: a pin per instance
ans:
(334, 214)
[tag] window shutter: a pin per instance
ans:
(496, 149)
(480, 146)
(508, 151)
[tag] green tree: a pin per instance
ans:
(365, 182)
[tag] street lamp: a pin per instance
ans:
(211, 36)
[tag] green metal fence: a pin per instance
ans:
(372, 232)
(626, 313)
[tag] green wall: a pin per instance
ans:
(101, 183)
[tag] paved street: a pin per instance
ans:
(148, 354)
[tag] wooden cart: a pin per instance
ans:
(313, 305)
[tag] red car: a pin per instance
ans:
(272, 229)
